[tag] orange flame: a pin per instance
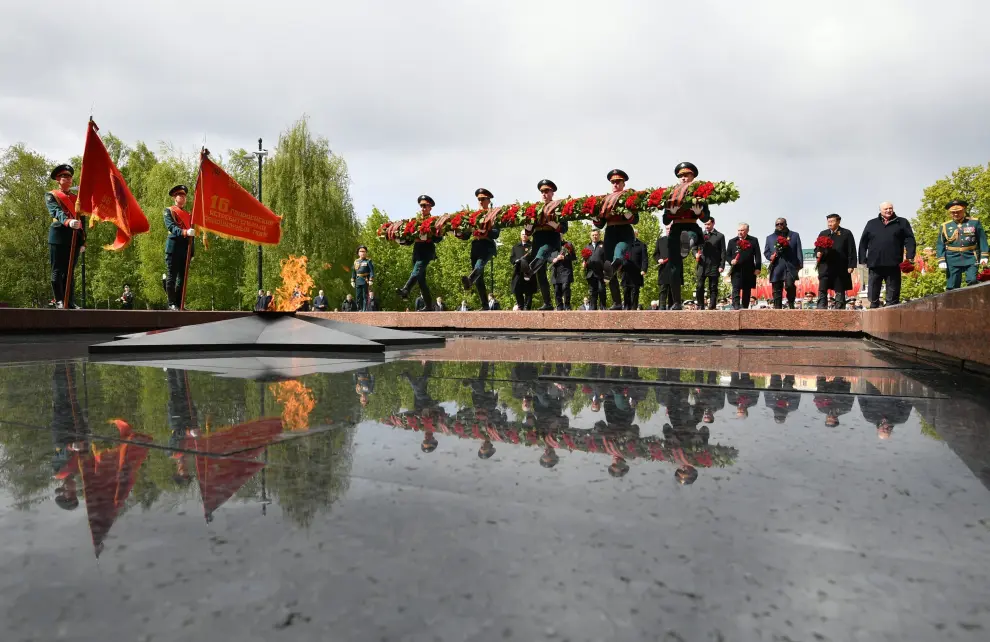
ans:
(297, 403)
(296, 284)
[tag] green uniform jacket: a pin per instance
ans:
(962, 244)
(58, 232)
(364, 271)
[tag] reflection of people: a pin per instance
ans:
(710, 398)
(781, 398)
(429, 442)
(618, 467)
(182, 422)
(834, 398)
(885, 413)
(686, 475)
(742, 393)
(364, 385)
(486, 450)
(70, 434)
(549, 457)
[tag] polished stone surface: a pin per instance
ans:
(352, 501)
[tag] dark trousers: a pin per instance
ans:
(613, 288)
(175, 268)
(479, 284)
(562, 295)
(361, 296)
(954, 275)
(596, 294)
(824, 285)
(670, 295)
(779, 287)
(699, 293)
(524, 299)
(740, 297)
(889, 275)
(544, 284)
(631, 297)
(58, 258)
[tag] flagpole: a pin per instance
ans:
(192, 239)
(68, 278)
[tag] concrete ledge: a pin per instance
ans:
(21, 320)
(824, 322)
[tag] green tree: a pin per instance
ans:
(392, 262)
(24, 270)
(971, 184)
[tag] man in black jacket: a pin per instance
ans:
(319, 303)
(633, 272)
(745, 262)
(492, 303)
(349, 304)
(835, 264)
(594, 270)
(562, 266)
(521, 288)
(882, 246)
(668, 277)
(711, 261)
(372, 303)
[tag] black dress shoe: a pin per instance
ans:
(466, 282)
(617, 306)
(676, 306)
(687, 242)
(545, 308)
(402, 292)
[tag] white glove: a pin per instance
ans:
(983, 261)
(191, 232)
(74, 224)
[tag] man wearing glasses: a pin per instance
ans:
(618, 233)
(483, 248)
(65, 228)
(424, 251)
(546, 239)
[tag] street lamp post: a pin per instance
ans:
(261, 154)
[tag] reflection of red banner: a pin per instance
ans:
(221, 477)
(108, 477)
(104, 195)
(226, 209)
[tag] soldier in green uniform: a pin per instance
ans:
(618, 233)
(362, 278)
(424, 251)
(181, 234)
(962, 243)
(61, 204)
(364, 385)
(483, 249)
(546, 240)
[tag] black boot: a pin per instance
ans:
(607, 271)
(525, 269)
(687, 243)
(628, 297)
(404, 290)
(613, 287)
(468, 281)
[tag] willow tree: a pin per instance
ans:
(308, 186)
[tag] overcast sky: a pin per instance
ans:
(810, 107)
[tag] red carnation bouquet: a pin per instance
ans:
(983, 276)
(585, 253)
(781, 243)
(823, 244)
(569, 247)
(906, 267)
(625, 256)
(743, 245)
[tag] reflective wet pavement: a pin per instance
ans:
(765, 490)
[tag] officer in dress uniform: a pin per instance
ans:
(61, 204)
(618, 233)
(363, 277)
(364, 385)
(424, 251)
(178, 222)
(683, 219)
(962, 243)
(483, 248)
(546, 240)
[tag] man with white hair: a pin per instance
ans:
(743, 252)
(882, 247)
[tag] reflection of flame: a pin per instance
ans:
(296, 284)
(297, 402)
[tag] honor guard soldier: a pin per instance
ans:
(546, 240)
(483, 248)
(424, 251)
(363, 277)
(65, 227)
(178, 248)
(618, 233)
(962, 244)
(683, 219)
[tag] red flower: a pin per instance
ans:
(588, 207)
(585, 253)
(782, 242)
(782, 403)
(656, 198)
(568, 210)
(456, 220)
(531, 212)
(704, 190)
(983, 276)
(824, 243)
(743, 244)
(509, 217)
(626, 256)
(704, 459)
(631, 201)
(410, 227)
(473, 219)
(426, 226)
(906, 267)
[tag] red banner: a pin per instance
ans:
(104, 195)
(226, 209)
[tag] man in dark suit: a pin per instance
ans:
(835, 264)
(594, 273)
(269, 301)
(259, 303)
(562, 262)
(634, 268)
(669, 278)
(349, 304)
(885, 241)
(65, 227)
(127, 298)
(521, 288)
(711, 261)
(320, 302)
(438, 305)
(181, 235)
(744, 263)
(783, 251)
(372, 303)
(492, 303)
